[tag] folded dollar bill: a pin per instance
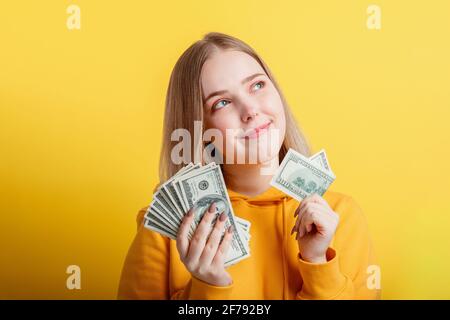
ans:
(299, 176)
(196, 186)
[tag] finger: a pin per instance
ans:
(200, 235)
(302, 204)
(213, 241)
(309, 220)
(304, 228)
(224, 245)
(298, 209)
(325, 207)
(182, 235)
(309, 227)
(316, 218)
(300, 230)
(297, 223)
(295, 226)
(319, 199)
(299, 218)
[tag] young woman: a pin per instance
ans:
(222, 82)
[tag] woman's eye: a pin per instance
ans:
(222, 103)
(218, 105)
(261, 83)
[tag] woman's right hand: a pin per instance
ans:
(204, 256)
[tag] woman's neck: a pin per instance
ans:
(250, 179)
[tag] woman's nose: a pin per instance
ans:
(249, 110)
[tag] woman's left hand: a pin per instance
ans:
(316, 224)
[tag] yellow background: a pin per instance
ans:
(81, 118)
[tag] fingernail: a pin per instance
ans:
(223, 216)
(190, 213)
(292, 231)
(212, 207)
(230, 229)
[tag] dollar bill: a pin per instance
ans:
(320, 160)
(299, 176)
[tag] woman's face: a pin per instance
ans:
(240, 97)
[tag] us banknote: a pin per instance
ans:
(299, 176)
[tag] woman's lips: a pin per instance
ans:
(256, 132)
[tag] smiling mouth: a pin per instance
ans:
(258, 131)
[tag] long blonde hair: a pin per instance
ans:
(184, 102)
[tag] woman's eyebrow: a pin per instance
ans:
(244, 81)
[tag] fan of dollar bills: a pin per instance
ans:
(197, 186)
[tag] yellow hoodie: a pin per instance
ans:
(153, 269)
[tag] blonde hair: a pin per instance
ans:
(184, 102)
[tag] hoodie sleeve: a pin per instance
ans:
(145, 274)
(345, 275)
(145, 271)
